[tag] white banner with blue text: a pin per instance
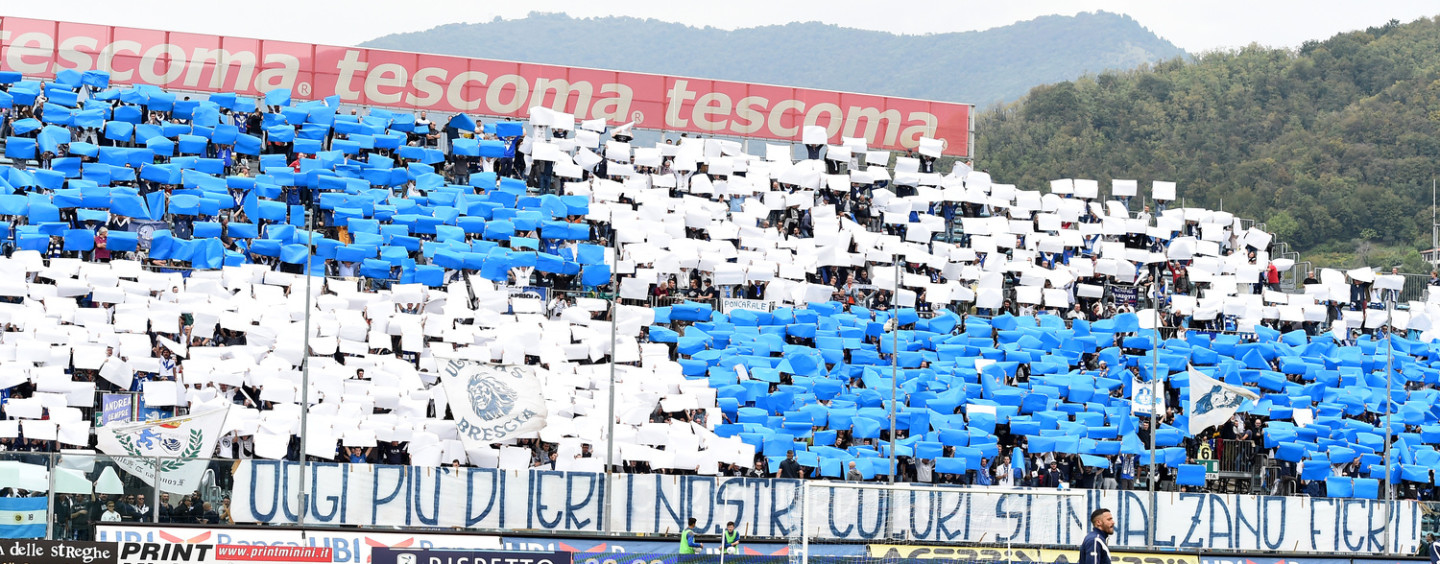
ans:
(491, 499)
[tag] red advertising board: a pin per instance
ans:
(374, 77)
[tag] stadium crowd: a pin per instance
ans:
(125, 196)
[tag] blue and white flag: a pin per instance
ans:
(22, 517)
(1213, 402)
(1143, 398)
(493, 403)
(175, 449)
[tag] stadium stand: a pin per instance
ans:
(157, 245)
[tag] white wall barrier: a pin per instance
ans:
(490, 499)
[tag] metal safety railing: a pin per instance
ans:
(1238, 456)
(85, 490)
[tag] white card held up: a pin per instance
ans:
(931, 147)
(1162, 190)
(814, 135)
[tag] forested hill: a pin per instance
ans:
(979, 67)
(1334, 144)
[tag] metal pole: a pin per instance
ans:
(894, 363)
(610, 431)
(804, 522)
(894, 384)
(971, 141)
(50, 501)
(305, 364)
(1389, 370)
(155, 494)
(1154, 419)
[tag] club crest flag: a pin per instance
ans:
(1213, 402)
(1143, 398)
(492, 402)
(175, 449)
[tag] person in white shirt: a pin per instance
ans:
(346, 269)
(110, 515)
(924, 470)
(167, 364)
(1004, 474)
(557, 306)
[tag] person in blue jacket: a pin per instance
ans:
(1094, 550)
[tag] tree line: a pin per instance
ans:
(1333, 144)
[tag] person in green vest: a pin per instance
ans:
(731, 539)
(688, 545)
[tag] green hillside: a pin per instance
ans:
(1334, 145)
(980, 67)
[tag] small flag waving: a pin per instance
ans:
(174, 449)
(493, 403)
(1143, 398)
(1213, 402)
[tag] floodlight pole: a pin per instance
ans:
(305, 364)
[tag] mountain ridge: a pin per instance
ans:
(992, 66)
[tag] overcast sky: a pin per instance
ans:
(1193, 26)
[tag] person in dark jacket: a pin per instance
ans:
(167, 511)
(790, 468)
(208, 515)
(1053, 476)
(1094, 550)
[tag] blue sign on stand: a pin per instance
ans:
(385, 555)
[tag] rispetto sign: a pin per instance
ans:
(209, 63)
(413, 556)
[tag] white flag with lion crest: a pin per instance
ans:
(177, 450)
(493, 403)
(1213, 402)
